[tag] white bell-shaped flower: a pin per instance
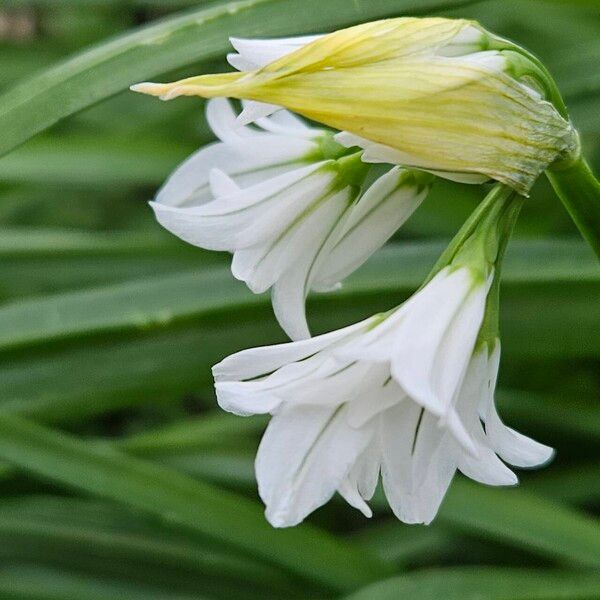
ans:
(402, 395)
(288, 203)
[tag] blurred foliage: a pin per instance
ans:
(120, 480)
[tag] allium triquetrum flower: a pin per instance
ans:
(288, 202)
(408, 394)
(436, 94)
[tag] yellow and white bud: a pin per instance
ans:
(433, 93)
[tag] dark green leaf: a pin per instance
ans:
(179, 500)
(201, 34)
(484, 584)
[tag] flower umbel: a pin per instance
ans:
(288, 202)
(436, 94)
(405, 394)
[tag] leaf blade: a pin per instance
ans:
(202, 34)
(185, 502)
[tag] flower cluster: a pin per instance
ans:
(408, 395)
(289, 203)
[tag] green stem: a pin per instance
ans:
(579, 191)
(495, 199)
(490, 327)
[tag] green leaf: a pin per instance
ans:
(94, 160)
(106, 540)
(36, 261)
(179, 500)
(579, 484)
(406, 545)
(579, 421)
(512, 516)
(200, 35)
(531, 522)
(83, 353)
(187, 435)
(39, 583)
(484, 583)
(160, 303)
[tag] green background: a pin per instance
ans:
(119, 479)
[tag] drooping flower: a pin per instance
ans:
(288, 202)
(408, 394)
(400, 395)
(437, 94)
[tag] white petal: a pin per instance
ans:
(255, 110)
(284, 122)
(188, 184)
(304, 456)
(479, 384)
(512, 446)
(250, 216)
(435, 455)
(378, 343)
(364, 475)
(373, 152)
(333, 386)
(317, 380)
(247, 162)
(490, 60)
(349, 492)
(349, 140)
(262, 52)
(413, 492)
(296, 246)
(232, 397)
(254, 362)
(435, 339)
(487, 468)
(237, 61)
(294, 383)
(222, 120)
(382, 393)
(452, 421)
(221, 184)
(378, 214)
(379, 153)
(302, 247)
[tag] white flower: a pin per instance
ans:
(286, 200)
(401, 394)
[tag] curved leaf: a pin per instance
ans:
(484, 584)
(199, 35)
(185, 502)
(103, 539)
(159, 303)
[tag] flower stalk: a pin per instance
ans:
(579, 191)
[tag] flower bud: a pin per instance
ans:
(437, 94)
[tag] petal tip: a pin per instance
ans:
(149, 88)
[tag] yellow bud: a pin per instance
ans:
(425, 93)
